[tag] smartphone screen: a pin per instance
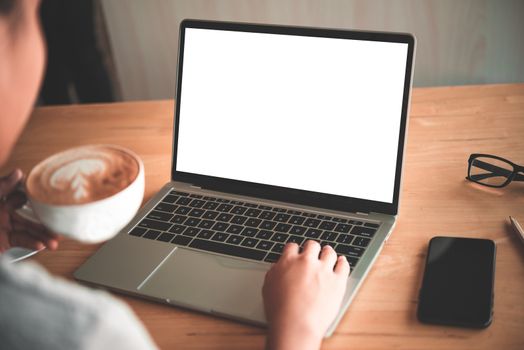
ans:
(457, 288)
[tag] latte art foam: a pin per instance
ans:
(82, 175)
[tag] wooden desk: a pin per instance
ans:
(446, 125)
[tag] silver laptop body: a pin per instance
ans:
(308, 123)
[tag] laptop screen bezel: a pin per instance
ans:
(302, 197)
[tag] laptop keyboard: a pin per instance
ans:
(247, 230)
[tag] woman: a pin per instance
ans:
(302, 292)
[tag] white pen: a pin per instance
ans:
(517, 228)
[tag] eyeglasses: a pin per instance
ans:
(493, 171)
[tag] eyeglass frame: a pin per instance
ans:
(513, 176)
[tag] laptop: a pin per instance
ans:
(281, 134)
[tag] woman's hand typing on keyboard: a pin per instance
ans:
(302, 295)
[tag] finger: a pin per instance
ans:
(342, 266)
(50, 240)
(290, 249)
(19, 239)
(328, 256)
(9, 182)
(35, 229)
(15, 200)
(311, 249)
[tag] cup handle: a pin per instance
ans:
(26, 212)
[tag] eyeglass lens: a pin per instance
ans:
(490, 171)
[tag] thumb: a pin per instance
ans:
(9, 182)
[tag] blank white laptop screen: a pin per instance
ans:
(309, 113)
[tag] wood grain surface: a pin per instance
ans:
(446, 125)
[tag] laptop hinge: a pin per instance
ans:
(197, 187)
(360, 213)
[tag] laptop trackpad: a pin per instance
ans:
(209, 283)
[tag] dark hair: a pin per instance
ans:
(6, 7)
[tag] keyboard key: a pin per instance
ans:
(211, 215)
(346, 239)
(327, 225)
(235, 229)
(272, 257)
(224, 217)
(137, 231)
(181, 240)
(363, 231)
(182, 201)
(298, 230)
(250, 205)
(280, 237)
(267, 215)
(206, 234)
(371, 224)
(264, 207)
(178, 219)
(151, 234)
(220, 226)
(282, 227)
(206, 224)
(238, 210)
(237, 219)
(185, 194)
(329, 236)
(249, 242)
(267, 225)
(344, 228)
(196, 212)
(177, 229)
(169, 208)
(234, 239)
(295, 239)
(352, 262)
(191, 231)
(237, 203)
(210, 205)
(192, 222)
(279, 210)
(331, 244)
(278, 247)
(166, 237)
(265, 245)
(312, 223)
(324, 217)
(264, 234)
(350, 251)
(361, 241)
(340, 220)
(153, 224)
(313, 233)
(197, 203)
(355, 222)
(170, 199)
(159, 215)
(253, 222)
(227, 249)
(220, 237)
(297, 220)
(195, 195)
(224, 207)
(294, 212)
(282, 217)
(223, 200)
(309, 215)
(183, 210)
(249, 232)
(253, 212)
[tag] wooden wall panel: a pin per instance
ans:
(458, 42)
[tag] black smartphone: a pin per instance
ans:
(457, 288)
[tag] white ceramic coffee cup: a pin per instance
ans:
(95, 221)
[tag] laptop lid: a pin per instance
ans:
(303, 115)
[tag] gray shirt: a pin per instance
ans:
(39, 311)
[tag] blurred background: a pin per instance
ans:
(113, 50)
